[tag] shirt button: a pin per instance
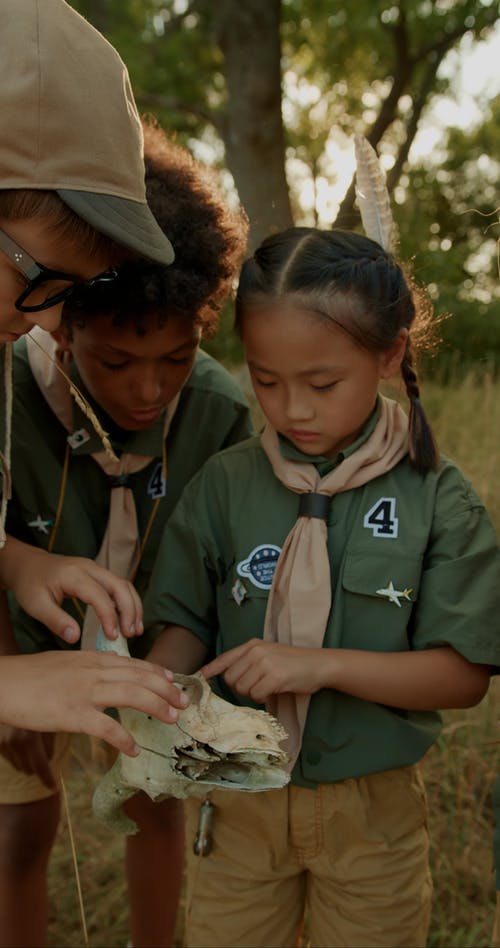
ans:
(313, 757)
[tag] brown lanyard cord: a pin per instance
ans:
(151, 519)
(147, 531)
(60, 499)
(81, 612)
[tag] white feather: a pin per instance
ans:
(373, 197)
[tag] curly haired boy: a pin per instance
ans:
(167, 406)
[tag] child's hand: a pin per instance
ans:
(40, 581)
(69, 691)
(260, 669)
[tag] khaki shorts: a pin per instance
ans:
(351, 858)
(18, 787)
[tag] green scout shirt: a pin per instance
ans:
(212, 414)
(414, 564)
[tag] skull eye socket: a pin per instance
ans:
(260, 737)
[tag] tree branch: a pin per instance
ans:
(442, 46)
(419, 103)
(156, 100)
(406, 64)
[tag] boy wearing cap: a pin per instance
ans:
(72, 207)
(70, 123)
(167, 407)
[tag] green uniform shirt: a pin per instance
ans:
(427, 538)
(212, 414)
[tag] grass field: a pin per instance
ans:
(459, 770)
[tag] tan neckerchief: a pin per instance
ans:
(300, 597)
(120, 546)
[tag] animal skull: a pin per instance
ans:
(213, 744)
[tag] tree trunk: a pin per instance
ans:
(248, 34)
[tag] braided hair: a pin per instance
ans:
(348, 278)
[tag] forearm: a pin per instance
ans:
(417, 681)
(179, 649)
(11, 560)
(8, 644)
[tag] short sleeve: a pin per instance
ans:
(459, 597)
(242, 427)
(185, 575)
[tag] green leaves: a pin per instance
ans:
(332, 70)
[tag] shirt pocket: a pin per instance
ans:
(241, 611)
(377, 595)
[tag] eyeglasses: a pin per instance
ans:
(45, 287)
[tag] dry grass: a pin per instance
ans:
(459, 770)
(466, 420)
(100, 867)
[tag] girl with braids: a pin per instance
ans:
(348, 579)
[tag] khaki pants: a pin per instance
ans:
(18, 787)
(351, 857)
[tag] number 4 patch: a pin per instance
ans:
(157, 484)
(381, 518)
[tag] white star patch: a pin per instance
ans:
(394, 595)
(39, 524)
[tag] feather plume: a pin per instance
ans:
(373, 198)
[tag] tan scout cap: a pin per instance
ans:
(69, 123)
